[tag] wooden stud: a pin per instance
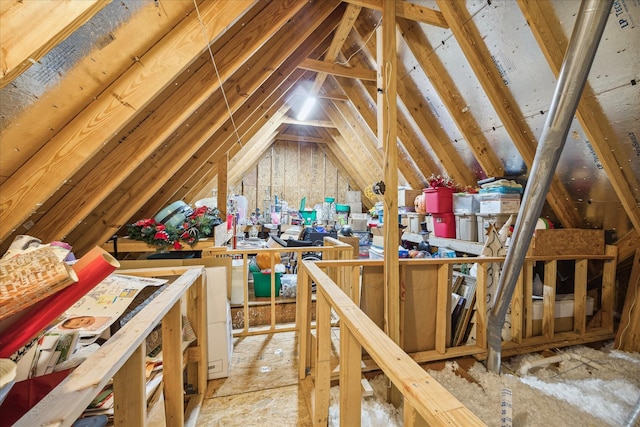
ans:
(338, 70)
(350, 384)
(323, 361)
(628, 335)
(223, 187)
(129, 396)
(172, 356)
(549, 298)
(609, 288)
(408, 10)
(527, 271)
(443, 308)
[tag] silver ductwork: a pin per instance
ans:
(585, 38)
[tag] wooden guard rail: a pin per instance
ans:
(332, 249)
(423, 396)
(122, 358)
(338, 285)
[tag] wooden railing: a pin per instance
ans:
(338, 284)
(332, 249)
(122, 358)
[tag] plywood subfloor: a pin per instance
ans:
(262, 388)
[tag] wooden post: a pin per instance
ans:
(129, 398)
(628, 336)
(580, 297)
(528, 298)
(323, 361)
(609, 287)
(516, 306)
(549, 298)
(481, 301)
(387, 135)
(303, 322)
(350, 372)
(443, 308)
(172, 363)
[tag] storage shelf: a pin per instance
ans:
(473, 248)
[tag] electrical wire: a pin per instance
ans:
(215, 67)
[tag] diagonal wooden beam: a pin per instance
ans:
(478, 56)
(30, 29)
(405, 9)
(338, 70)
(451, 97)
(546, 29)
(349, 17)
(66, 152)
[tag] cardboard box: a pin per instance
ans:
(564, 241)
(353, 196)
(355, 207)
(219, 347)
(407, 197)
(499, 203)
(563, 313)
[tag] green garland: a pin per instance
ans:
(199, 224)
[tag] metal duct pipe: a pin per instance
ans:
(585, 38)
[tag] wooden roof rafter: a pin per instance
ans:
(408, 10)
(477, 54)
(275, 52)
(552, 42)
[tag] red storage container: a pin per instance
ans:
(439, 199)
(444, 225)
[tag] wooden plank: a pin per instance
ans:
(172, 357)
(323, 361)
(628, 335)
(350, 384)
(451, 97)
(64, 154)
(580, 296)
(548, 32)
(308, 122)
(609, 289)
(21, 44)
(568, 241)
(338, 70)
(517, 302)
(339, 37)
(223, 187)
(129, 395)
(549, 298)
(527, 270)
(478, 55)
(192, 411)
(443, 308)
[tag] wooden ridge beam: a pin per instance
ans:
(338, 70)
(70, 148)
(22, 44)
(479, 58)
(405, 9)
(552, 41)
(143, 185)
(157, 128)
(451, 97)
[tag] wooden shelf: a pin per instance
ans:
(473, 248)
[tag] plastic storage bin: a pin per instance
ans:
(262, 284)
(289, 285)
(444, 225)
(465, 203)
(439, 199)
(496, 203)
(466, 227)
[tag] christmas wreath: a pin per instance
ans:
(199, 224)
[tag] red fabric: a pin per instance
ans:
(24, 395)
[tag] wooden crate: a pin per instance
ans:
(406, 197)
(563, 241)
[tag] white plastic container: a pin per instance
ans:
(466, 227)
(289, 285)
(237, 281)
